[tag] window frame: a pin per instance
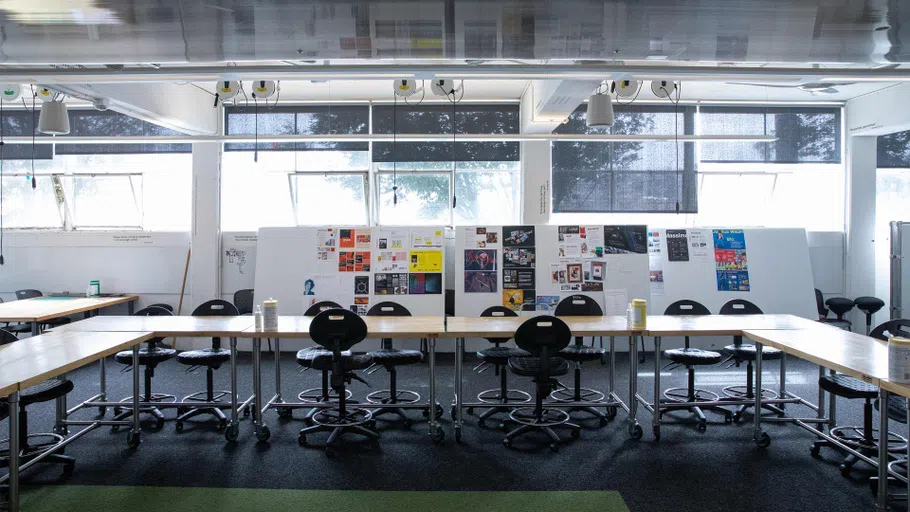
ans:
(364, 174)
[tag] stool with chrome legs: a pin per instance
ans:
(543, 337)
(497, 357)
(337, 331)
(305, 360)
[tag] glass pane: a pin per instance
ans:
(106, 201)
(255, 195)
(167, 192)
(27, 208)
(330, 199)
(721, 202)
(423, 199)
(487, 198)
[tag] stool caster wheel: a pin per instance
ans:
(62, 430)
(102, 411)
(159, 423)
(656, 431)
(554, 447)
(470, 411)
(180, 411)
(115, 428)
(576, 433)
(611, 413)
(232, 433)
(179, 426)
(507, 443)
(481, 422)
(117, 410)
(68, 469)
(762, 439)
(729, 418)
(222, 424)
(452, 413)
(701, 427)
(437, 435)
(604, 422)
(133, 439)
(502, 427)
(815, 450)
(845, 470)
(439, 412)
(636, 432)
(301, 439)
(407, 424)
(263, 434)
(285, 412)
(246, 412)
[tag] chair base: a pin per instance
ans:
(384, 396)
(122, 413)
(585, 395)
(495, 396)
(854, 437)
(33, 450)
(743, 392)
(694, 396)
(205, 407)
(316, 395)
(529, 421)
(354, 421)
(682, 395)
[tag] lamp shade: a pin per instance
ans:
(600, 110)
(54, 119)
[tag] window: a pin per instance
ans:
(423, 199)
(329, 198)
(96, 196)
(24, 207)
(892, 187)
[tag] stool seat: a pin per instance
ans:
(44, 392)
(213, 357)
(746, 352)
(396, 357)
(581, 353)
(501, 355)
(146, 357)
(323, 361)
(692, 356)
(897, 408)
(869, 305)
(530, 366)
(839, 305)
(848, 387)
(306, 356)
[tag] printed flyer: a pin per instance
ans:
(730, 260)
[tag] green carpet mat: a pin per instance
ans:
(89, 498)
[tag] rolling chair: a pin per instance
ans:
(390, 358)
(544, 337)
(581, 305)
(150, 357)
(864, 439)
(691, 358)
(337, 331)
(27, 327)
(739, 352)
(869, 306)
(46, 391)
(305, 359)
(212, 359)
(498, 357)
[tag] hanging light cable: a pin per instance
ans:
(34, 181)
(1, 182)
(394, 149)
(256, 123)
(454, 156)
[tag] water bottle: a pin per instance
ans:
(257, 317)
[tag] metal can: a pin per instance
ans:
(899, 359)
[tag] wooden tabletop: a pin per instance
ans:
(377, 327)
(46, 308)
(846, 352)
(505, 327)
(724, 325)
(33, 360)
(164, 326)
(898, 388)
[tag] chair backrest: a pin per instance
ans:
(28, 294)
(243, 299)
(321, 306)
(153, 311)
(686, 307)
(388, 308)
(896, 327)
(820, 304)
(578, 305)
(497, 312)
(740, 307)
(7, 337)
(337, 330)
(543, 335)
(216, 307)
(163, 306)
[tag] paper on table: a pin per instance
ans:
(616, 301)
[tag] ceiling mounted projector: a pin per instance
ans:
(626, 88)
(227, 89)
(405, 88)
(54, 119)
(444, 87)
(600, 110)
(263, 89)
(663, 88)
(45, 94)
(10, 92)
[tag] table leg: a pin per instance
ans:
(907, 404)
(612, 382)
(459, 381)
(34, 328)
(102, 379)
(656, 421)
(257, 385)
(783, 379)
(821, 400)
(14, 452)
(60, 414)
(882, 503)
(435, 431)
(762, 439)
(234, 426)
(278, 398)
(133, 438)
(832, 408)
(634, 428)
(131, 307)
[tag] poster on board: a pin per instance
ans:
(677, 245)
(518, 266)
(700, 245)
(655, 263)
(481, 237)
(731, 261)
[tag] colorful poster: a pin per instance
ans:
(480, 259)
(656, 263)
(326, 243)
(518, 279)
(514, 299)
(426, 261)
(427, 238)
(518, 236)
(574, 273)
(425, 284)
(481, 237)
(363, 239)
(592, 245)
(677, 245)
(480, 282)
(547, 303)
(361, 285)
(730, 260)
(392, 261)
(354, 261)
(625, 239)
(390, 284)
(523, 257)
(346, 238)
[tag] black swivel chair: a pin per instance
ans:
(864, 439)
(740, 352)
(498, 357)
(305, 359)
(869, 306)
(391, 358)
(27, 327)
(150, 357)
(691, 358)
(212, 359)
(544, 337)
(44, 392)
(337, 331)
(840, 307)
(578, 353)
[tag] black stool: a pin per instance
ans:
(338, 330)
(740, 352)
(543, 337)
(581, 305)
(391, 358)
(211, 359)
(869, 306)
(840, 306)
(305, 360)
(150, 357)
(498, 357)
(690, 358)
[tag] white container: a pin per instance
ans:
(257, 317)
(899, 359)
(639, 314)
(270, 315)
(629, 320)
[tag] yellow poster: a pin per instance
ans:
(513, 299)
(426, 261)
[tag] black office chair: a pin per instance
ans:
(337, 331)
(212, 359)
(869, 306)
(691, 358)
(391, 358)
(305, 359)
(29, 449)
(162, 305)
(739, 352)
(840, 307)
(150, 357)
(581, 305)
(864, 439)
(544, 337)
(497, 357)
(46, 324)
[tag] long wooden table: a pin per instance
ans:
(34, 360)
(42, 309)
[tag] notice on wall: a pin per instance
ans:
(547, 303)
(519, 260)
(354, 261)
(426, 261)
(331, 287)
(427, 239)
(425, 284)
(730, 260)
(616, 301)
(392, 261)
(481, 237)
(390, 284)
(677, 245)
(480, 275)
(625, 239)
(700, 245)
(655, 263)
(392, 239)
(326, 244)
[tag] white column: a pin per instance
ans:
(206, 231)
(860, 212)
(535, 182)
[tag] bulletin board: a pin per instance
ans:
(531, 268)
(356, 267)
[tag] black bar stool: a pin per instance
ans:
(305, 358)
(869, 306)
(498, 357)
